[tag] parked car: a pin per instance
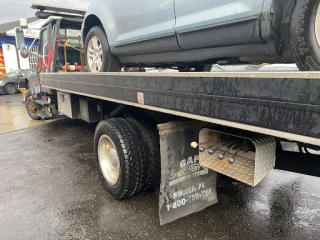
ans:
(193, 33)
(9, 81)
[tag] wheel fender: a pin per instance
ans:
(94, 21)
(103, 15)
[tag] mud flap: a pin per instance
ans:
(34, 84)
(186, 187)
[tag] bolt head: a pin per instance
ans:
(231, 160)
(201, 149)
(211, 152)
(221, 156)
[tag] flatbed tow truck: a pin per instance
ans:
(220, 122)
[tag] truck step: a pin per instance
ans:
(42, 102)
(44, 114)
(247, 159)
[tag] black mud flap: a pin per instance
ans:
(186, 187)
(34, 84)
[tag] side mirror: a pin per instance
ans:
(21, 46)
(21, 43)
(20, 38)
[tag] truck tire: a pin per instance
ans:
(30, 107)
(118, 153)
(305, 34)
(97, 52)
(151, 149)
(10, 89)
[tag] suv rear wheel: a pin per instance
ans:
(305, 34)
(97, 52)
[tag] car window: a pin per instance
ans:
(11, 74)
(25, 73)
(71, 34)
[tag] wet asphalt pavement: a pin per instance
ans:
(50, 189)
(13, 115)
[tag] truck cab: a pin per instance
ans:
(60, 45)
(60, 50)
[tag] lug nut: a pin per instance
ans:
(211, 152)
(201, 149)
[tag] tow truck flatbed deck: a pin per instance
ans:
(280, 104)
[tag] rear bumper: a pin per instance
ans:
(2, 89)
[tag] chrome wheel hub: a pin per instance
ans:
(317, 26)
(108, 160)
(95, 54)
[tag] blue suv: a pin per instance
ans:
(191, 34)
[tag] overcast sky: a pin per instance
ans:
(12, 10)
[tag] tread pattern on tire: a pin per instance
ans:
(31, 115)
(151, 148)
(304, 47)
(132, 153)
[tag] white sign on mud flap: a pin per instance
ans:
(186, 186)
(189, 169)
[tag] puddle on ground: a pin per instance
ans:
(14, 118)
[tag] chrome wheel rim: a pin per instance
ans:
(317, 26)
(95, 54)
(108, 160)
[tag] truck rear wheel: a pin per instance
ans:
(151, 149)
(118, 152)
(30, 106)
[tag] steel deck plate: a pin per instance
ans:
(280, 104)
